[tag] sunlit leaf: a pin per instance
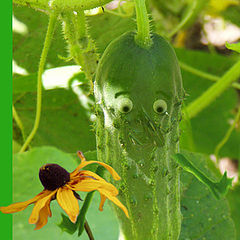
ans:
(234, 46)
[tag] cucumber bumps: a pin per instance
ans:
(138, 105)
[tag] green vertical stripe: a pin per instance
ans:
(6, 116)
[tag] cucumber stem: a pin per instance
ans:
(88, 199)
(81, 46)
(46, 46)
(214, 91)
(143, 37)
(81, 20)
(202, 74)
(227, 135)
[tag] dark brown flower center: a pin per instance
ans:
(53, 176)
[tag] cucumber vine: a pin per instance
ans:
(214, 91)
(47, 43)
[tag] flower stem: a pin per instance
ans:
(48, 39)
(88, 230)
(87, 201)
(84, 209)
(143, 37)
(214, 91)
(227, 135)
(202, 74)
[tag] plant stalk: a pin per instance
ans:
(81, 46)
(88, 230)
(47, 43)
(227, 135)
(143, 37)
(199, 104)
(18, 121)
(202, 74)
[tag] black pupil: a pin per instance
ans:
(159, 109)
(125, 109)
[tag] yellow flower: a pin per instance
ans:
(61, 185)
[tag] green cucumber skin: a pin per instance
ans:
(139, 144)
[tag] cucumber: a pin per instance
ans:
(139, 95)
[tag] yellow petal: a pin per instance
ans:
(84, 163)
(110, 169)
(103, 199)
(104, 184)
(85, 183)
(83, 159)
(114, 200)
(44, 213)
(16, 207)
(39, 205)
(90, 175)
(89, 184)
(68, 202)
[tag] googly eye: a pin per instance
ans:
(125, 105)
(160, 106)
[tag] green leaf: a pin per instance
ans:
(234, 46)
(219, 189)
(234, 201)
(213, 122)
(106, 27)
(15, 147)
(64, 122)
(27, 47)
(26, 185)
(232, 14)
(22, 84)
(67, 226)
(204, 217)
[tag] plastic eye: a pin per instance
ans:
(125, 105)
(160, 106)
